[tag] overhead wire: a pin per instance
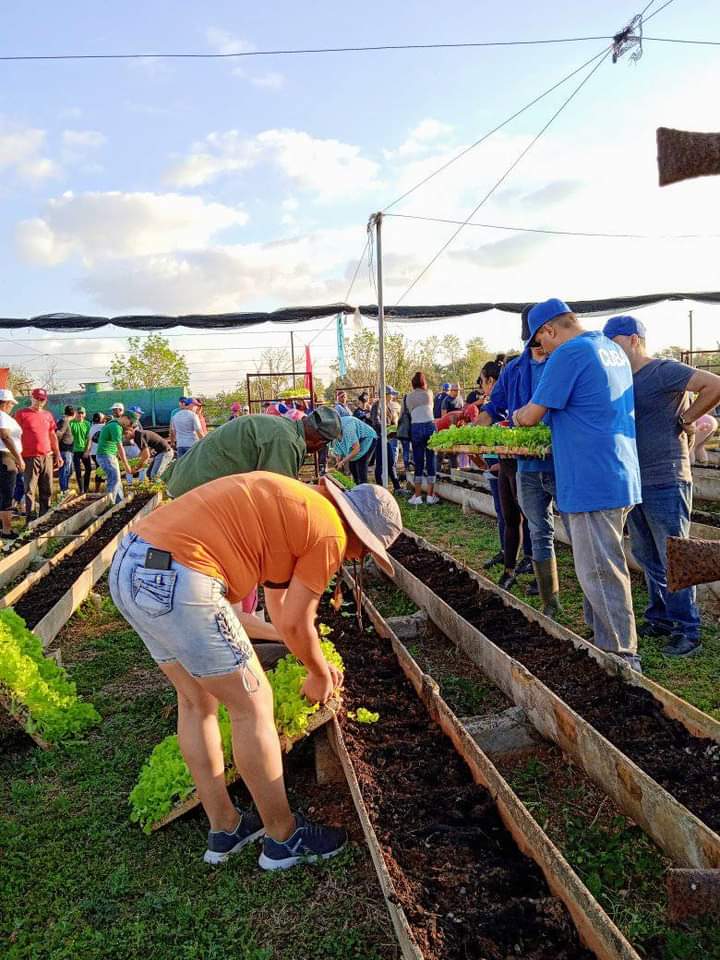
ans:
(332, 320)
(486, 136)
(507, 172)
(243, 54)
(559, 233)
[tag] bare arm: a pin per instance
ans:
(122, 457)
(529, 415)
(353, 453)
(7, 439)
(55, 446)
(707, 387)
(293, 612)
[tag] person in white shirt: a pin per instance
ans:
(185, 426)
(11, 461)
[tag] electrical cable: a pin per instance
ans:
(507, 172)
(698, 43)
(487, 135)
(561, 233)
(297, 52)
(332, 320)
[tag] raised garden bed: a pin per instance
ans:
(18, 554)
(67, 579)
(466, 871)
(585, 701)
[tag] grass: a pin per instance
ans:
(620, 866)
(473, 539)
(78, 881)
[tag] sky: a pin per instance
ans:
(178, 186)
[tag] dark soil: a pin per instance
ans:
(629, 717)
(702, 516)
(53, 519)
(33, 605)
(465, 887)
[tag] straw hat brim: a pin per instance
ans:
(358, 525)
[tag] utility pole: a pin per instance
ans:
(690, 318)
(377, 220)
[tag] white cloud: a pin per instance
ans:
(421, 139)
(21, 152)
(226, 43)
(272, 80)
(83, 139)
(217, 154)
(312, 268)
(328, 168)
(223, 42)
(114, 225)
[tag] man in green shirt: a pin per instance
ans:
(110, 449)
(80, 429)
(259, 442)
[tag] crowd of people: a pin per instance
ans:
(187, 577)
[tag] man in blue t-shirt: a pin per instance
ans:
(665, 419)
(587, 389)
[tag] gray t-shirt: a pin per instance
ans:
(660, 398)
(420, 405)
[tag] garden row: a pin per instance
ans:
(654, 754)
(34, 690)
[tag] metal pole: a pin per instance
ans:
(690, 317)
(381, 357)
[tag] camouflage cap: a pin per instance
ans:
(327, 423)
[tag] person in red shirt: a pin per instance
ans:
(40, 448)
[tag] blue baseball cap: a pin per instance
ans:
(445, 386)
(543, 313)
(391, 390)
(623, 326)
(136, 410)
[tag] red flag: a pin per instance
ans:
(308, 368)
(4, 375)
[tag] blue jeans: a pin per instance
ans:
(423, 458)
(161, 461)
(392, 446)
(535, 495)
(406, 452)
(111, 467)
(664, 512)
(181, 615)
(492, 479)
(65, 471)
(181, 451)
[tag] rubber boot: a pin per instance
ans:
(547, 578)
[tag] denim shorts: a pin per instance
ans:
(182, 616)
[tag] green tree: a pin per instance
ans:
(20, 381)
(148, 364)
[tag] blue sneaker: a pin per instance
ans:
(310, 843)
(222, 844)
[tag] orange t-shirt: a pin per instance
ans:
(251, 528)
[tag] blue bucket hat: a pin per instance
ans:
(623, 326)
(543, 313)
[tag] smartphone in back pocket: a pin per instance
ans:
(158, 559)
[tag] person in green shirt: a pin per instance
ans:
(258, 442)
(110, 449)
(80, 429)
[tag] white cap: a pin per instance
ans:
(118, 406)
(6, 395)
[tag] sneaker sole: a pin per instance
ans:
(266, 863)
(213, 857)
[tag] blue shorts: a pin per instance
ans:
(182, 616)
